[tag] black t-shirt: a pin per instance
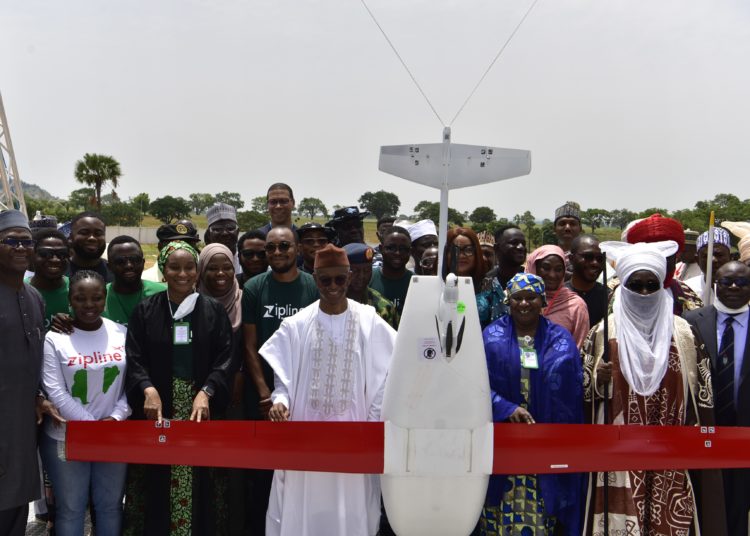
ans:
(596, 300)
(100, 268)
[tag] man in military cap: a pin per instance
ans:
(347, 222)
(312, 238)
(360, 261)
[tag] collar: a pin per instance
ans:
(740, 318)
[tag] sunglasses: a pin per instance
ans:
(282, 246)
(315, 241)
(253, 253)
(589, 257)
(325, 281)
(125, 259)
(27, 243)
(47, 253)
(639, 286)
(727, 282)
(394, 249)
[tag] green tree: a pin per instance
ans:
(119, 213)
(230, 198)
(259, 204)
(251, 219)
(200, 202)
(50, 207)
(595, 217)
(428, 210)
(527, 223)
(649, 211)
(482, 215)
(311, 206)
(96, 170)
(380, 203)
(621, 217)
(548, 232)
(82, 199)
(169, 208)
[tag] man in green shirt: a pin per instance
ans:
(51, 254)
(267, 299)
(125, 261)
(360, 262)
(392, 279)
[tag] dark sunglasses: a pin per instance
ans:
(47, 253)
(638, 286)
(589, 257)
(125, 259)
(282, 246)
(394, 249)
(325, 281)
(15, 242)
(728, 282)
(253, 253)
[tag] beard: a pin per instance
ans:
(83, 254)
(284, 268)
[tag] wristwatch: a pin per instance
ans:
(208, 390)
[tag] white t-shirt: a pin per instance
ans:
(84, 375)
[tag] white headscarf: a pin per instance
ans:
(644, 323)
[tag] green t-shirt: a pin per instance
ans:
(393, 290)
(55, 301)
(266, 302)
(119, 307)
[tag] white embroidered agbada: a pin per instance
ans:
(328, 368)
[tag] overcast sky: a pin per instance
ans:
(623, 103)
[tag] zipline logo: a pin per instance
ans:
(279, 311)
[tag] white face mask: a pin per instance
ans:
(724, 309)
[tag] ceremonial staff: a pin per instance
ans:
(605, 357)
(707, 298)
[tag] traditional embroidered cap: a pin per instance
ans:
(182, 230)
(570, 209)
(13, 218)
(721, 236)
(656, 228)
(691, 237)
(43, 222)
(221, 211)
(313, 226)
(525, 281)
(358, 253)
(347, 213)
(486, 238)
(740, 229)
(330, 256)
(421, 228)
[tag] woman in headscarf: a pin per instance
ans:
(179, 352)
(564, 307)
(469, 260)
(535, 376)
(657, 374)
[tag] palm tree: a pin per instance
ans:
(95, 170)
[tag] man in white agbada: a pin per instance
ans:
(330, 362)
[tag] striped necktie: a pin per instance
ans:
(726, 414)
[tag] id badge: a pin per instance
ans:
(181, 333)
(529, 359)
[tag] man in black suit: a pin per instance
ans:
(723, 327)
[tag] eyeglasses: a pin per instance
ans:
(27, 243)
(589, 257)
(253, 253)
(220, 229)
(280, 202)
(741, 282)
(125, 259)
(315, 241)
(325, 281)
(467, 251)
(282, 246)
(638, 286)
(394, 249)
(47, 253)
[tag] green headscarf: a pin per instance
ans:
(171, 248)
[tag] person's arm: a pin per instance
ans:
(121, 411)
(280, 398)
(253, 366)
(57, 390)
(137, 377)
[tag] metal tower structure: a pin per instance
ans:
(11, 191)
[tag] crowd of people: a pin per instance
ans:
(298, 323)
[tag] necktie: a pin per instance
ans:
(724, 385)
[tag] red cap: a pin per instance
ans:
(656, 228)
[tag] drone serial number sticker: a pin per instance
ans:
(429, 347)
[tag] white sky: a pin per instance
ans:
(623, 103)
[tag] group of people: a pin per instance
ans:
(298, 323)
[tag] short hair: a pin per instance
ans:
(254, 234)
(281, 227)
(385, 219)
(122, 239)
(80, 275)
(576, 243)
(501, 230)
(280, 186)
(398, 230)
(86, 214)
(48, 232)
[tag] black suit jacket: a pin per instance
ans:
(704, 321)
